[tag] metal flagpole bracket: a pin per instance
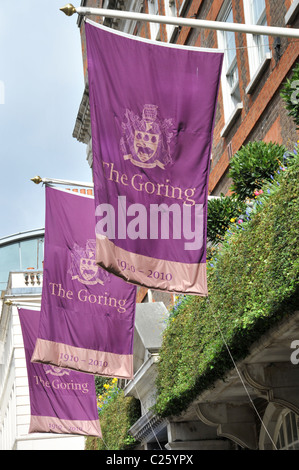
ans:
(275, 31)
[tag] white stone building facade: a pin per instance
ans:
(23, 289)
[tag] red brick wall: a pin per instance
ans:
(261, 109)
(274, 133)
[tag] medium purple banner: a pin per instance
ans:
(152, 108)
(87, 314)
(61, 401)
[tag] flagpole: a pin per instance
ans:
(11, 303)
(69, 10)
(38, 180)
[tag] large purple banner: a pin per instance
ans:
(87, 314)
(61, 400)
(152, 112)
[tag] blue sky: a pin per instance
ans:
(42, 75)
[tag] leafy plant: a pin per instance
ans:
(253, 165)
(108, 393)
(290, 94)
(221, 213)
(116, 418)
(99, 384)
(253, 284)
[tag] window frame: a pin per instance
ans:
(257, 45)
(281, 430)
(170, 10)
(232, 104)
(153, 9)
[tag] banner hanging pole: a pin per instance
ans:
(38, 180)
(69, 10)
(12, 303)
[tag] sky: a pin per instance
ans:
(41, 87)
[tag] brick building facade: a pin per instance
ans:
(255, 67)
(257, 112)
(249, 108)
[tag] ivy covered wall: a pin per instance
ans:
(117, 414)
(253, 284)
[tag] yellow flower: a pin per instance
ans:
(232, 220)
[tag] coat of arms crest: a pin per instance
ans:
(145, 141)
(84, 267)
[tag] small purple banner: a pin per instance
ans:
(87, 314)
(61, 401)
(152, 108)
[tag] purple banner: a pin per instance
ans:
(87, 314)
(152, 111)
(61, 401)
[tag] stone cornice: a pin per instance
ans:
(81, 130)
(148, 425)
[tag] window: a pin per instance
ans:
(230, 75)
(258, 46)
(31, 254)
(9, 261)
(153, 9)
(20, 256)
(170, 10)
(292, 12)
(287, 432)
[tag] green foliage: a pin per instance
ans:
(290, 94)
(252, 166)
(116, 418)
(99, 384)
(220, 214)
(253, 283)
(108, 393)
